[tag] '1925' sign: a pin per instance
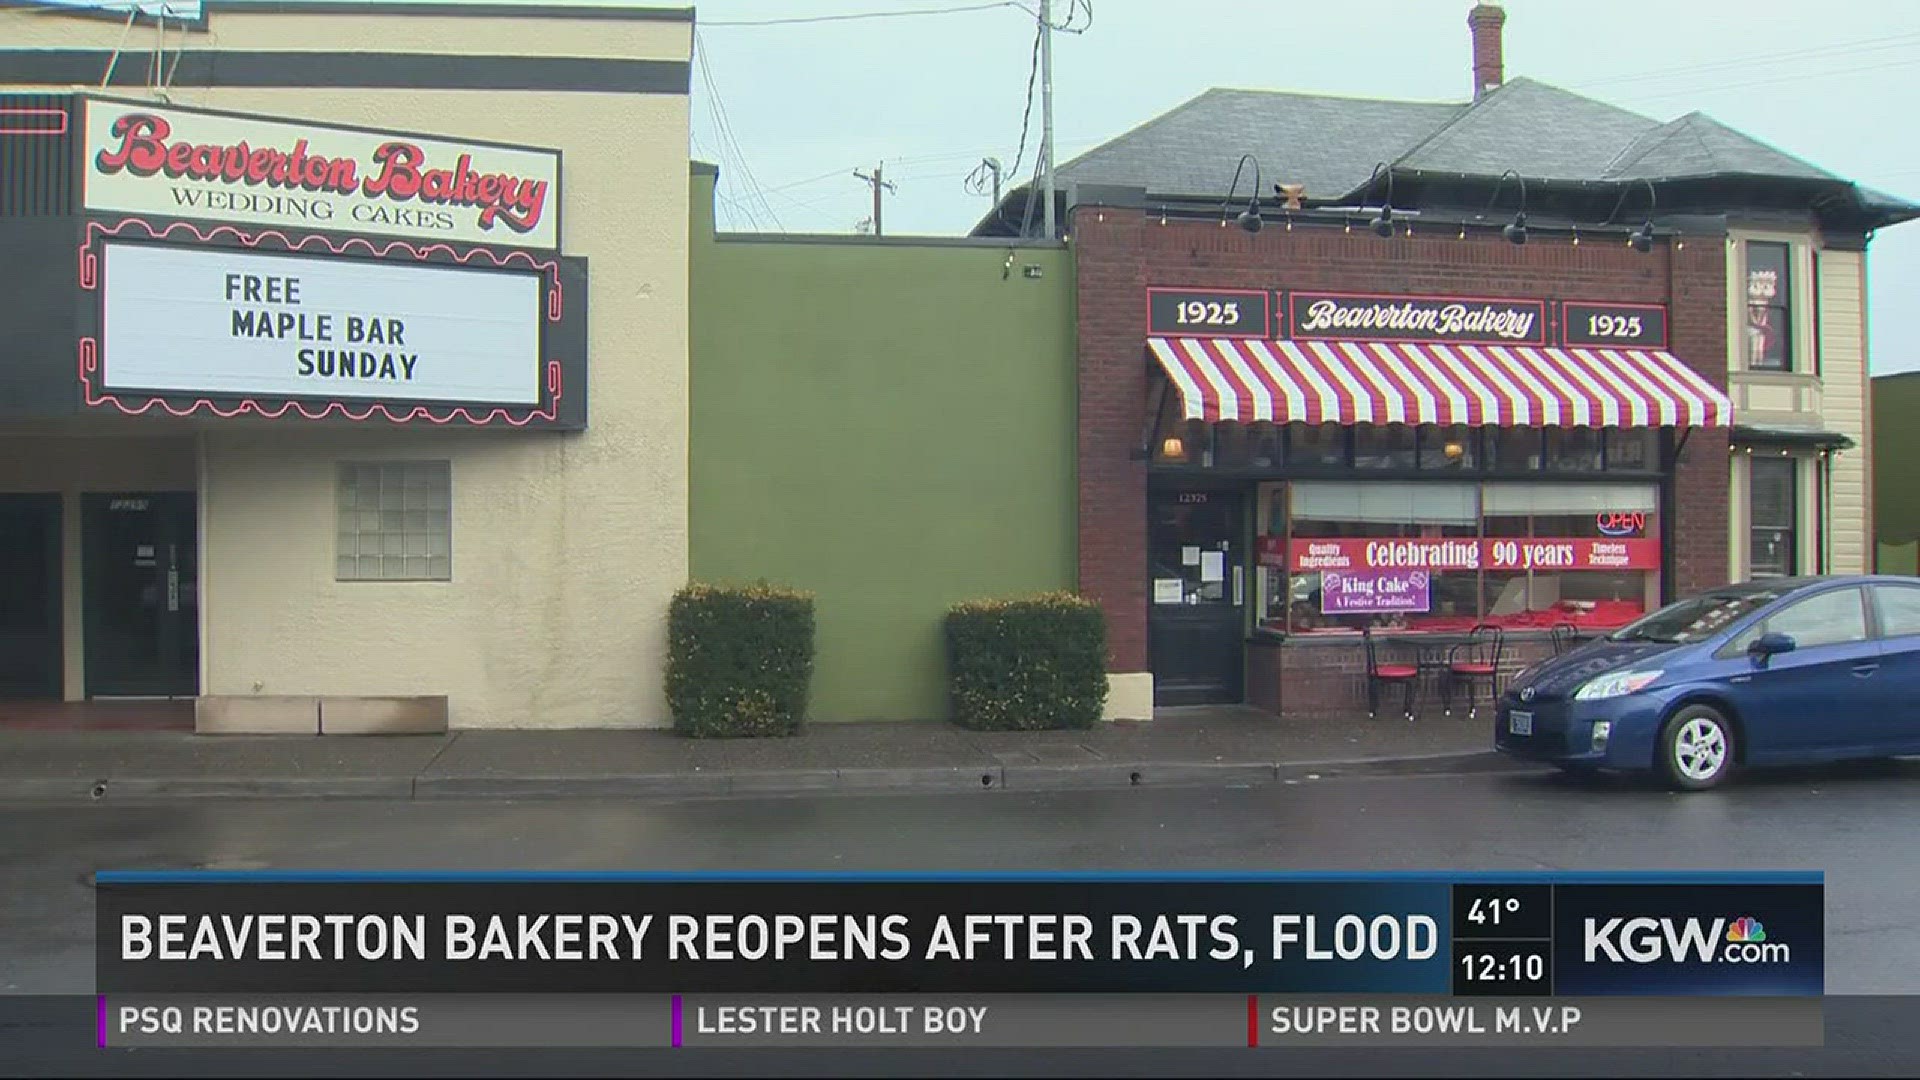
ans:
(1208, 312)
(1627, 326)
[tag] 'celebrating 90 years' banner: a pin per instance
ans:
(225, 322)
(189, 163)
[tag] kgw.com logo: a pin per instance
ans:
(1717, 941)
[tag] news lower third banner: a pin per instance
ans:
(292, 958)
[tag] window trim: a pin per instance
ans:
(1788, 304)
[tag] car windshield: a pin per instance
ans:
(1697, 617)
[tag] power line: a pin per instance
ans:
(1842, 48)
(1774, 80)
(717, 108)
(851, 16)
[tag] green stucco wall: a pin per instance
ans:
(1896, 448)
(889, 425)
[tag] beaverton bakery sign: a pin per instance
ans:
(149, 160)
(1456, 320)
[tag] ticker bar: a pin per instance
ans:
(952, 1020)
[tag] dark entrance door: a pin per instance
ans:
(1196, 595)
(30, 646)
(141, 588)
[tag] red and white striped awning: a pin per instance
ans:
(1385, 382)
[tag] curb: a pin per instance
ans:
(751, 783)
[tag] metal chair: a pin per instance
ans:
(1563, 636)
(1471, 661)
(1406, 676)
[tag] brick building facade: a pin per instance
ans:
(1121, 251)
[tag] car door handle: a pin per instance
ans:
(1865, 669)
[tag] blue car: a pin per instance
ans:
(1777, 671)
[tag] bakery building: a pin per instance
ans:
(345, 381)
(1355, 369)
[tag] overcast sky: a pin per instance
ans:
(804, 104)
(1833, 82)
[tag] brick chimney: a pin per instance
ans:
(1485, 21)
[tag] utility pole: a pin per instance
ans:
(1046, 114)
(876, 182)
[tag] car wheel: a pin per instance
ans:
(1696, 748)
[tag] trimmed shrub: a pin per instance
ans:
(1027, 664)
(739, 660)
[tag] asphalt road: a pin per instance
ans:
(1859, 825)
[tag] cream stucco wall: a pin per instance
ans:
(1828, 323)
(567, 547)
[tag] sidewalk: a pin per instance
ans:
(1225, 746)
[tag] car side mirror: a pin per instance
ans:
(1767, 645)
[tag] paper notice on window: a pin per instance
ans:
(1213, 566)
(1167, 590)
(1190, 556)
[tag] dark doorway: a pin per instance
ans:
(30, 645)
(1196, 596)
(142, 594)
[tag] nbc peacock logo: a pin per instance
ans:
(1747, 944)
(1746, 929)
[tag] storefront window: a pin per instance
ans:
(1573, 449)
(1633, 448)
(1586, 554)
(1449, 449)
(1323, 446)
(1346, 517)
(1442, 557)
(1514, 449)
(1385, 446)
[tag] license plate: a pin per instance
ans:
(1520, 723)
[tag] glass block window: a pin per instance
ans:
(396, 521)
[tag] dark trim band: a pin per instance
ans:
(368, 71)
(375, 7)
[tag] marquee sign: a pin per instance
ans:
(218, 321)
(223, 322)
(152, 160)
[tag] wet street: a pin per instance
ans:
(1858, 825)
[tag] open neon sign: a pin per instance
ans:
(1621, 523)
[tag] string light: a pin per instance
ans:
(1163, 215)
(1463, 230)
(1576, 236)
(1349, 228)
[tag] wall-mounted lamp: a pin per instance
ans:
(1516, 230)
(1382, 224)
(1248, 219)
(1173, 448)
(1640, 239)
